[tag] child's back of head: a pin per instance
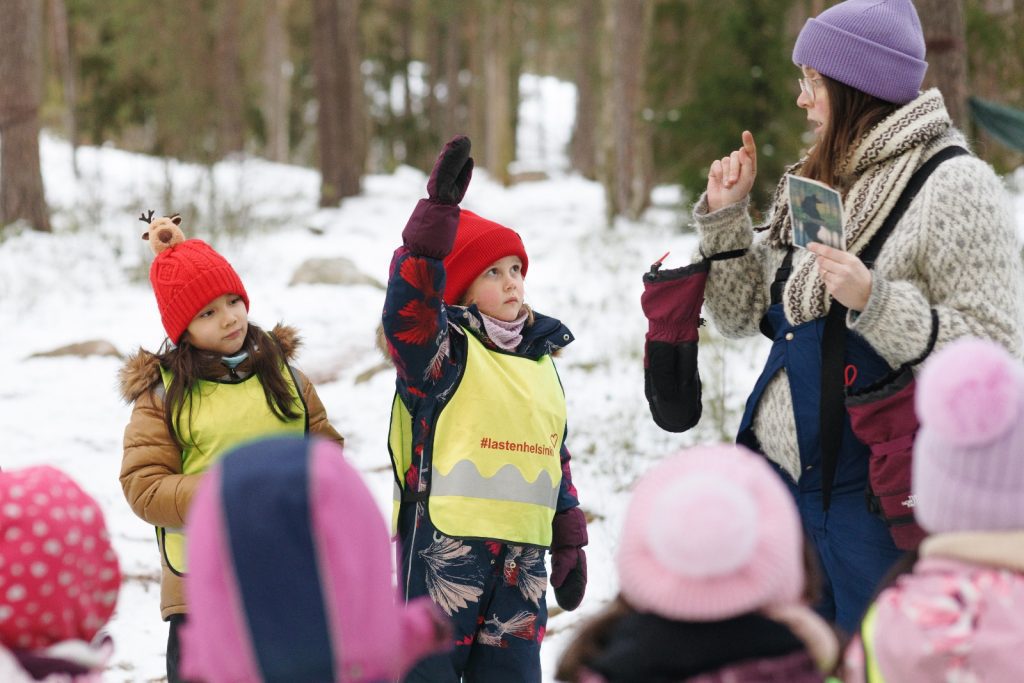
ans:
(711, 560)
(59, 576)
(960, 612)
(290, 573)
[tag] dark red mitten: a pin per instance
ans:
(431, 228)
(672, 300)
(568, 559)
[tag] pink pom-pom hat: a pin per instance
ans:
(711, 533)
(968, 470)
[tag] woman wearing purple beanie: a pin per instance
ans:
(931, 256)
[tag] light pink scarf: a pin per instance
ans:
(505, 335)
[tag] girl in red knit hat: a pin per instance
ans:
(482, 481)
(216, 382)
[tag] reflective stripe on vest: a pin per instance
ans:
(496, 465)
(867, 638)
(225, 415)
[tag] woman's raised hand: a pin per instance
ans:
(731, 178)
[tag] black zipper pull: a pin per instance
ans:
(652, 274)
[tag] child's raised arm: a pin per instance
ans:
(414, 319)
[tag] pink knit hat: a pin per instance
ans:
(711, 533)
(59, 576)
(968, 468)
(290, 574)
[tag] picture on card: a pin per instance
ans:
(816, 211)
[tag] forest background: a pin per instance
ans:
(355, 87)
(248, 116)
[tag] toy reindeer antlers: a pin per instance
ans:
(165, 231)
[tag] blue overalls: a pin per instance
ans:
(853, 546)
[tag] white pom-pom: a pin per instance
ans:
(703, 526)
(969, 392)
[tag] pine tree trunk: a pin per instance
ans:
(325, 67)
(499, 136)
(65, 66)
(583, 147)
(21, 74)
(276, 98)
(454, 120)
(352, 112)
(944, 35)
(435, 68)
(230, 83)
(476, 38)
(629, 176)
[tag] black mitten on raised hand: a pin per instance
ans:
(672, 300)
(431, 228)
(452, 172)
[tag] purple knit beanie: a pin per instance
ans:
(711, 533)
(875, 46)
(968, 469)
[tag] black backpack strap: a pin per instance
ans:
(720, 256)
(782, 275)
(833, 339)
(874, 247)
(776, 289)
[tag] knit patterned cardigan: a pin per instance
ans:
(955, 250)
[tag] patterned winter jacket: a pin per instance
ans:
(426, 341)
(151, 469)
(957, 617)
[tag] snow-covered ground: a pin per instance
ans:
(88, 281)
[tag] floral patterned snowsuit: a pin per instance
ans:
(494, 592)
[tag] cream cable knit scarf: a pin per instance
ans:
(876, 173)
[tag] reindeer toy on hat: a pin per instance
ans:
(164, 229)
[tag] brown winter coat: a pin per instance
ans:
(151, 476)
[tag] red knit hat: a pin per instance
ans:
(186, 275)
(478, 243)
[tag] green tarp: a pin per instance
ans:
(1004, 123)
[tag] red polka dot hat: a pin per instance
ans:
(59, 576)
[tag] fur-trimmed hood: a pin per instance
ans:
(141, 370)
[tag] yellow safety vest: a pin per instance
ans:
(496, 463)
(224, 415)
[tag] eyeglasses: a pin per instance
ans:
(807, 86)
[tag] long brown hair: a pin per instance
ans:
(188, 364)
(852, 113)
